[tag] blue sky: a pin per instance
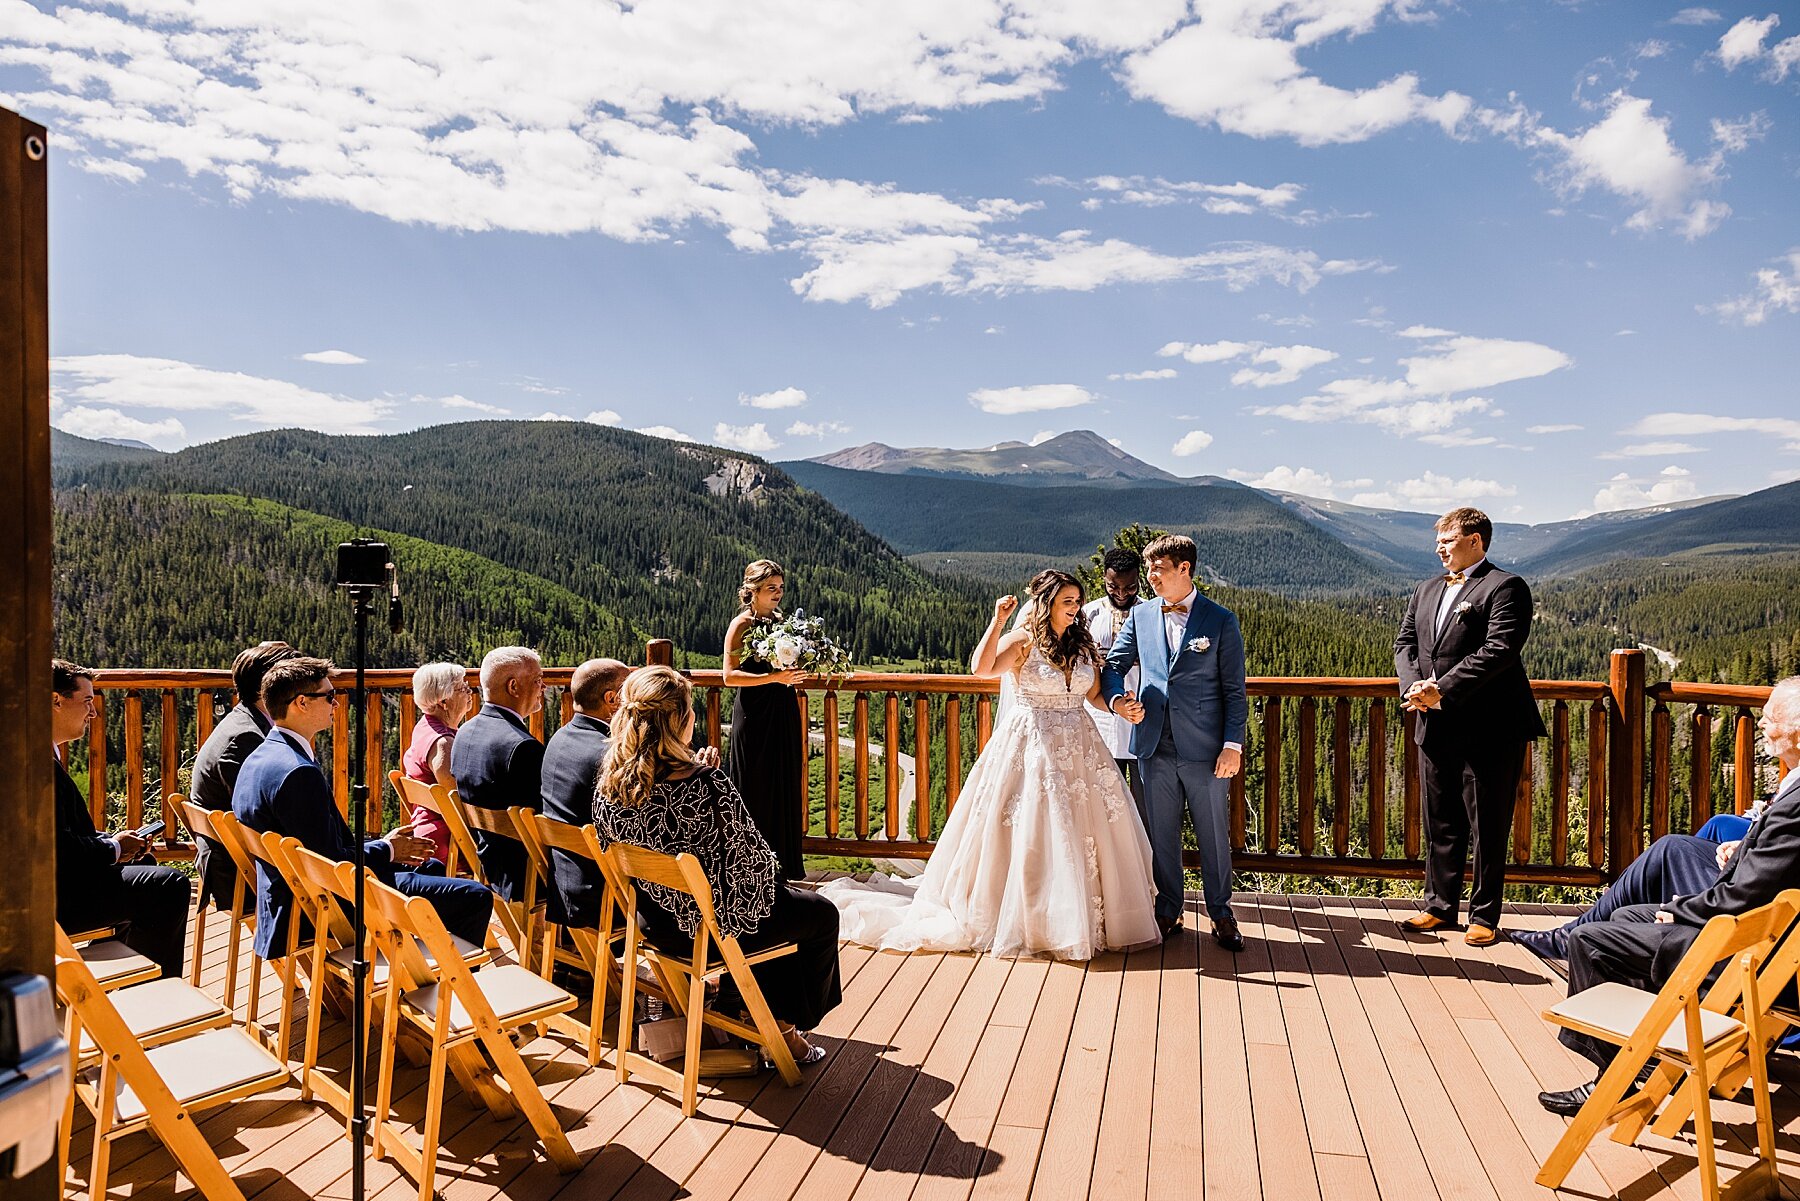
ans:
(1542, 257)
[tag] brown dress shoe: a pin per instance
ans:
(1421, 922)
(1479, 935)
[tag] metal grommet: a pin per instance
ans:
(34, 148)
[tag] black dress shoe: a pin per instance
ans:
(1225, 933)
(1569, 1101)
(1169, 926)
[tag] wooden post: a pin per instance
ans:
(27, 807)
(659, 652)
(1625, 771)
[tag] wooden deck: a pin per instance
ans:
(1336, 1058)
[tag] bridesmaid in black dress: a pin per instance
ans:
(764, 761)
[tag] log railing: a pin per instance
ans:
(1330, 786)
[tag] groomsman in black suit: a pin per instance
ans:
(572, 760)
(1641, 945)
(222, 756)
(1458, 657)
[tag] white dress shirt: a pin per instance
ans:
(1451, 592)
(1115, 731)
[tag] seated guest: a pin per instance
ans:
(221, 757)
(572, 761)
(1640, 945)
(97, 884)
(442, 692)
(498, 763)
(654, 794)
(282, 788)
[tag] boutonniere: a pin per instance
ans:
(1462, 608)
(1199, 645)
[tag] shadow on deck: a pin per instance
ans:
(1335, 1058)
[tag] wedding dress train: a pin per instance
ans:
(1044, 853)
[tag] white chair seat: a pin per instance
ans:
(513, 991)
(159, 1006)
(206, 1065)
(1618, 1008)
(112, 960)
(378, 971)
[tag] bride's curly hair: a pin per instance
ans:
(647, 743)
(1076, 643)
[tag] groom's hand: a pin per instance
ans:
(1228, 763)
(1128, 706)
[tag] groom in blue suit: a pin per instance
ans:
(1189, 718)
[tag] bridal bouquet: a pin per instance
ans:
(798, 641)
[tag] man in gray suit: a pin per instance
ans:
(216, 767)
(1190, 722)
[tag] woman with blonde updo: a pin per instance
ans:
(765, 722)
(652, 793)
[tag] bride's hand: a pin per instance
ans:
(1004, 607)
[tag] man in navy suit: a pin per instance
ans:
(1189, 718)
(1458, 658)
(572, 760)
(498, 763)
(282, 788)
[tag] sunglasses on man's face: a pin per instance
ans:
(329, 694)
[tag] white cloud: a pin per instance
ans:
(754, 438)
(553, 415)
(1743, 43)
(1191, 443)
(1303, 480)
(1562, 428)
(1689, 425)
(1041, 437)
(1631, 153)
(1030, 398)
(1777, 290)
(1653, 450)
(1154, 192)
(816, 429)
(784, 398)
(462, 402)
(1238, 68)
(337, 358)
(1434, 493)
(1696, 16)
(1289, 363)
(124, 381)
(86, 422)
(1206, 352)
(1463, 364)
(665, 431)
(1624, 491)
(1161, 373)
(1426, 331)
(603, 417)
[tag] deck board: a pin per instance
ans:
(1338, 1057)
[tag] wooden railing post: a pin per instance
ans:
(1625, 771)
(659, 652)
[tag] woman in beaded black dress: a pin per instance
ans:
(652, 793)
(765, 751)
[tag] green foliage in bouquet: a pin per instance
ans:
(797, 641)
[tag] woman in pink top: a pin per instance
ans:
(442, 692)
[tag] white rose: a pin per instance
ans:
(787, 652)
(1199, 645)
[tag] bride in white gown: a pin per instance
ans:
(1044, 853)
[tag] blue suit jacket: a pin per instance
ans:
(1198, 694)
(281, 788)
(499, 765)
(572, 760)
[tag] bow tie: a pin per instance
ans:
(1175, 608)
(1456, 577)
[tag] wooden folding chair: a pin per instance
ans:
(263, 847)
(199, 822)
(153, 1012)
(161, 1090)
(624, 865)
(464, 861)
(230, 833)
(116, 965)
(1674, 1026)
(463, 1012)
(320, 891)
(516, 917)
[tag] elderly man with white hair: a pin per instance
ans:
(497, 762)
(1640, 945)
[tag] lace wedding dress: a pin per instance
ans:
(1044, 853)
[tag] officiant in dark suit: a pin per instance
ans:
(1459, 661)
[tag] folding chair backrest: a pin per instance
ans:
(314, 876)
(197, 819)
(682, 873)
(386, 915)
(92, 1010)
(230, 833)
(439, 800)
(561, 836)
(537, 854)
